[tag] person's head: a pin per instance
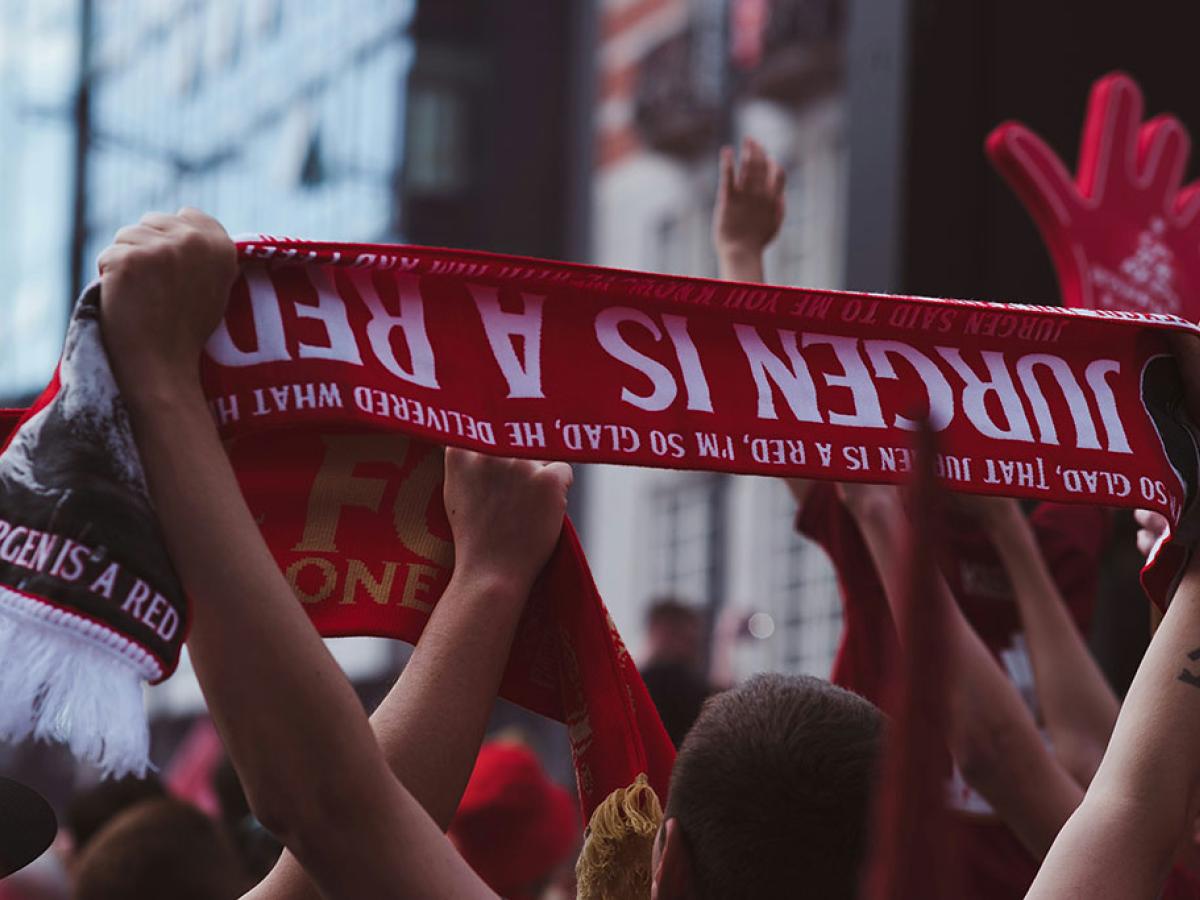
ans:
(90, 810)
(674, 632)
(771, 794)
(518, 829)
(256, 847)
(159, 848)
(678, 693)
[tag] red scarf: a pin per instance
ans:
(336, 363)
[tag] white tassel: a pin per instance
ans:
(62, 681)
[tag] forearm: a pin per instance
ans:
(243, 641)
(1078, 706)
(458, 664)
(1152, 753)
(290, 720)
(1143, 799)
(736, 264)
(992, 736)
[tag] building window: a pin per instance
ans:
(437, 159)
(687, 536)
(804, 600)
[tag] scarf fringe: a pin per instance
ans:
(619, 843)
(58, 685)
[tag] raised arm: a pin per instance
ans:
(1146, 794)
(1145, 798)
(1078, 706)
(312, 770)
(506, 516)
(993, 738)
(748, 212)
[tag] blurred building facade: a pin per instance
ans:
(39, 73)
(441, 122)
(677, 80)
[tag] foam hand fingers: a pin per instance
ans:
(1163, 148)
(1035, 172)
(1108, 150)
(1187, 205)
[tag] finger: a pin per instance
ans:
(136, 234)
(457, 457)
(739, 175)
(1148, 518)
(1187, 205)
(756, 167)
(199, 218)
(562, 473)
(1163, 148)
(1108, 147)
(725, 180)
(1035, 172)
(110, 256)
(157, 221)
(777, 180)
(1146, 542)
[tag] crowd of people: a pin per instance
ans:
(1057, 787)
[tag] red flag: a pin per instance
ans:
(911, 857)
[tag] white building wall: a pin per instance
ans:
(653, 212)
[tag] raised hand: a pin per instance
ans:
(1123, 233)
(748, 212)
(506, 515)
(164, 286)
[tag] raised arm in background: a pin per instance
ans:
(993, 738)
(1077, 704)
(326, 791)
(748, 212)
(1145, 797)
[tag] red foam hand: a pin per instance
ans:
(1123, 233)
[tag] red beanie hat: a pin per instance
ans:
(514, 824)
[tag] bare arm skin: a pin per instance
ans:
(1078, 706)
(1145, 797)
(326, 791)
(993, 738)
(503, 523)
(748, 212)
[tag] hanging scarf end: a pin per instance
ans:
(68, 680)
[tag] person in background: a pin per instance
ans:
(157, 849)
(518, 829)
(93, 808)
(256, 847)
(748, 213)
(674, 635)
(673, 667)
(771, 794)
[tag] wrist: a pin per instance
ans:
(1006, 526)
(496, 585)
(872, 503)
(740, 253)
(154, 390)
